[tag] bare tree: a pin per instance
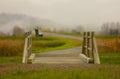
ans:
(17, 31)
(2, 34)
(111, 28)
(78, 29)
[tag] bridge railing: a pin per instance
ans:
(89, 49)
(27, 47)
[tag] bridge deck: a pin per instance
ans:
(58, 60)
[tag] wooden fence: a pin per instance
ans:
(27, 48)
(89, 49)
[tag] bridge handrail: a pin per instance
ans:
(89, 49)
(27, 47)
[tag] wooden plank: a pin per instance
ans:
(58, 60)
(27, 47)
(96, 55)
(86, 59)
(31, 59)
(88, 44)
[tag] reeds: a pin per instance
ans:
(11, 47)
(109, 45)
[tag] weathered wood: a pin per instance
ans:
(27, 47)
(86, 59)
(88, 44)
(31, 59)
(89, 49)
(96, 55)
(83, 46)
(57, 60)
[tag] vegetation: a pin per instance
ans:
(109, 56)
(112, 28)
(9, 47)
(51, 71)
(108, 45)
(53, 43)
(13, 46)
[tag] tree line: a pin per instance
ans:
(16, 31)
(110, 28)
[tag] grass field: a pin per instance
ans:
(13, 46)
(10, 67)
(53, 43)
(73, 71)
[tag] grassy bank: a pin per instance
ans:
(53, 43)
(74, 71)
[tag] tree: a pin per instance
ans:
(79, 29)
(17, 31)
(111, 28)
(2, 34)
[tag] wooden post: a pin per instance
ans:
(88, 44)
(92, 45)
(96, 55)
(84, 44)
(27, 47)
(89, 49)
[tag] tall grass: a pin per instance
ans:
(11, 47)
(109, 49)
(109, 45)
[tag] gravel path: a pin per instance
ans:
(62, 53)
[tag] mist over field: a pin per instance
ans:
(58, 14)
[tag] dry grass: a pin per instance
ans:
(11, 47)
(109, 45)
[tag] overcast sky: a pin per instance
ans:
(72, 12)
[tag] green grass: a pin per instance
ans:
(53, 43)
(13, 46)
(110, 58)
(11, 69)
(13, 59)
(59, 72)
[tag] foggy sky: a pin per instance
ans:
(70, 12)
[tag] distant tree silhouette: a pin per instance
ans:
(17, 31)
(78, 29)
(111, 28)
(2, 34)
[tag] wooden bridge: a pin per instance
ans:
(89, 53)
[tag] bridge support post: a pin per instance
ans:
(27, 53)
(89, 49)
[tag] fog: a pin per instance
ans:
(90, 13)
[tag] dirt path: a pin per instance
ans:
(70, 55)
